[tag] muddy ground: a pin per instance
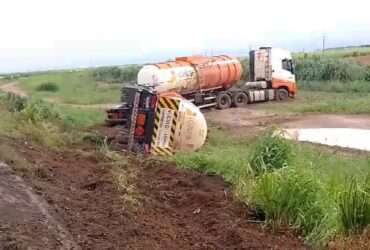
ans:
(250, 119)
(73, 200)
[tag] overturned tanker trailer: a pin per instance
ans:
(158, 124)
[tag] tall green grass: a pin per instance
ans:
(308, 192)
(330, 69)
(271, 152)
(354, 206)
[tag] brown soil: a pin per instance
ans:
(177, 209)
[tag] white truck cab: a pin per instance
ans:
(275, 66)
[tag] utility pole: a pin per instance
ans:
(323, 43)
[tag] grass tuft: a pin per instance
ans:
(354, 206)
(271, 152)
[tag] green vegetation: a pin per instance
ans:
(272, 152)
(125, 74)
(44, 123)
(78, 87)
(336, 86)
(309, 193)
(323, 102)
(33, 120)
(330, 69)
(333, 71)
(354, 206)
(245, 65)
(338, 53)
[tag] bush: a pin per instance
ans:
(271, 152)
(354, 206)
(48, 86)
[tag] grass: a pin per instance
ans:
(77, 87)
(322, 102)
(47, 124)
(353, 87)
(303, 195)
(82, 117)
(338, 53)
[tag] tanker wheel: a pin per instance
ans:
(223, 100)
(282, 94)
(240, 99)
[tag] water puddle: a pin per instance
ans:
(342, 137)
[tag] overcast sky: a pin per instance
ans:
(46, 34)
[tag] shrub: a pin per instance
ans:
(271, 152)
(48, 86)
(354, 206)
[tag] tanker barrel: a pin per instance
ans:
(191, 74)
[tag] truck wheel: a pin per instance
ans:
(282, 94)
(240, 99)
(223, 100)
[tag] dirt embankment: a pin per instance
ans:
(177, 209)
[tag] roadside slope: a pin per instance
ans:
(177, 209)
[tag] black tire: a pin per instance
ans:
(240, 99)
(223, 100)
(282, 94)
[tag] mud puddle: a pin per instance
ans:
(342, 137)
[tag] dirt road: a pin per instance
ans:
(177, 209)
(13, 88)
(247, 120)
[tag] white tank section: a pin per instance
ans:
(191, 131)
(167, 79)
(180, 126)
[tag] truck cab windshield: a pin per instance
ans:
(288, 65)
